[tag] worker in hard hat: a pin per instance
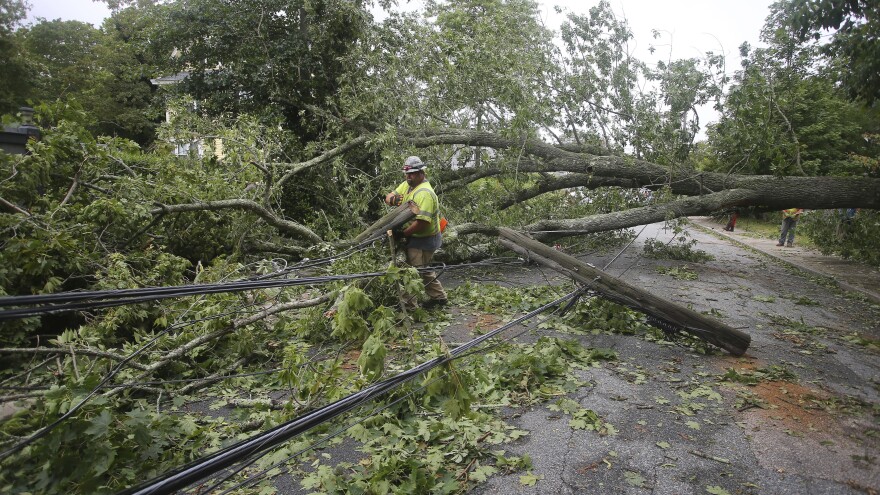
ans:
(423, 235)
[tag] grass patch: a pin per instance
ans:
(769, 229)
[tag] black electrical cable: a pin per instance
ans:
(256, 477)
(70, 412)
(39, 434)
(45, 430)
(153, 293)
(195, 289)
(307, 263)
(79, 301)
(206, 466)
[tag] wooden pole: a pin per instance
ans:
(697, 324)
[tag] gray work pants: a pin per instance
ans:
(788, 225)
(419, 258)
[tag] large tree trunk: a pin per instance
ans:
(771, 191)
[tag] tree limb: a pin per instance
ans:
(554, 229)
(296, 168)
(243, 204)
(213, 378)
(13, 208)
(551, 184)
(804, 192)
(286, 249)
(203, 339)
(83, 351)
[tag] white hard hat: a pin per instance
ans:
(413, 164)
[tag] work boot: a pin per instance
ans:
(789, 245)
(434, 303)
(779, 244)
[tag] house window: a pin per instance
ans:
(187, 149)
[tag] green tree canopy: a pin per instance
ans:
(785, 113)
(16, 74)
(855, 43)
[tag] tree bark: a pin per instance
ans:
(554, 229)
(390, 220)
(547, 230)
(295, 168)
(771, 191)
(247, 205)
(563, 182)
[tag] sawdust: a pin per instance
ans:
(745, 362)
(484, 322)
(789, 406)
(793, 407)
(349, 361)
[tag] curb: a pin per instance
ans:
(870, 295)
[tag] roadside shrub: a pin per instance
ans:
(857, 238)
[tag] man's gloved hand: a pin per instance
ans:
(399, 237)
(393, 199)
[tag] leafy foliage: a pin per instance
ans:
(854, 43)
(16, 70)
(276, 90)
(785, 115)
(753, 377)
(681, 250)
(678, 272)
(834, 232)
(303, 47)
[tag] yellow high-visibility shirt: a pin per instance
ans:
(425, 198)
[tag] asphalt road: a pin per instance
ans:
(681, 430)
(809, 425)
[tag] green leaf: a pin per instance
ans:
(482, 473)
(693, 425)
(634, 479)
(100, 424)
(372, 358)
(716, 490)
(530, 479)
(102, 463)
(663, 445)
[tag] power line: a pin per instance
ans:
(45, 430)
(79, 301)
(201, 468)
(256, 477)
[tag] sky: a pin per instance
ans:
(688, 28)
(691, 27)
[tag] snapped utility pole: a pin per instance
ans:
(715, 332)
